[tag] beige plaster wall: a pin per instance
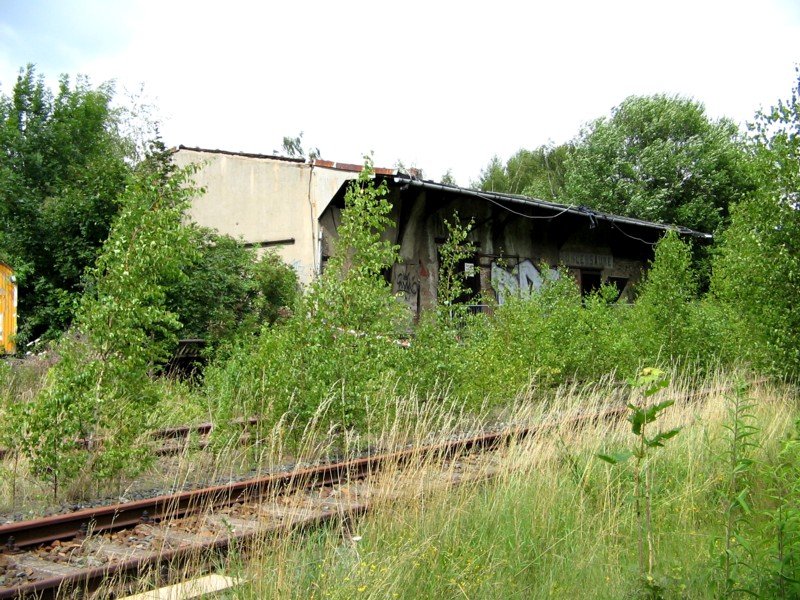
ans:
(264, 200)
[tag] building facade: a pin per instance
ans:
(266, 201)
(295, 207)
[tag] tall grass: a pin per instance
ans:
(554, 522)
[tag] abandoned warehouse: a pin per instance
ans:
(295, 206)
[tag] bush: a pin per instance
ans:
(340, 347)
(670, 322)
(541, 340)
(228, 292)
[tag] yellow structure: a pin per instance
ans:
(8, 309)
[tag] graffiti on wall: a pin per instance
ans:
(406, 282)
(519, 281)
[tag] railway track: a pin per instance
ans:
(173, 440)
(80, 552)
(77, 553)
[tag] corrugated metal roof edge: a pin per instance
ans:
(582, 211)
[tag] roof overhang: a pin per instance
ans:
(541, 206)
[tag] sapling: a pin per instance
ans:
(650, 381)
(101, 387)
(741, 441)
(453, 252)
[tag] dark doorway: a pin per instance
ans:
(590, 281)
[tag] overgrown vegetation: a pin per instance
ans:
(227, 292)
(757, 268)
(340, 346)
(101, 385)
(346, 354)
(556, 522)
(63, 167)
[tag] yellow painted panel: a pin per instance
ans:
(8, 309)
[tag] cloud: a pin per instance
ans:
(439, 84)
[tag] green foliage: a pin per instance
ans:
(276, 286)
(756, 275)
(537, 173)
(62, 170)
(651, 381)
(293, 147)
(538, 341)
(352, 291)
(228, 292)
(757, 267)
(660, 158)
(340, 347)
(447, 178)
(123, 329)
(741, 430)
(670, 322)
(664, 306)
(216, 291)
(782, 531)
(456, 248)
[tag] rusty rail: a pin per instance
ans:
(15, 536)
(168, 433)
(31, 534)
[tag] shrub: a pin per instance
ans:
(340, 347)
(228, 291)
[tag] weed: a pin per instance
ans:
(650, 381)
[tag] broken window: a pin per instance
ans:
(619, 283)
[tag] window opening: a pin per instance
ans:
(590, 281)
(619, 283)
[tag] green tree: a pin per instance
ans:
(62, 169)
(663, 310)
(447, 178)
(122, 331)
(662, 159)
(352, 292)
(757, 268)
(537, 173)
(293, 148)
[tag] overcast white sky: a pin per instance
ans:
(435, 84)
